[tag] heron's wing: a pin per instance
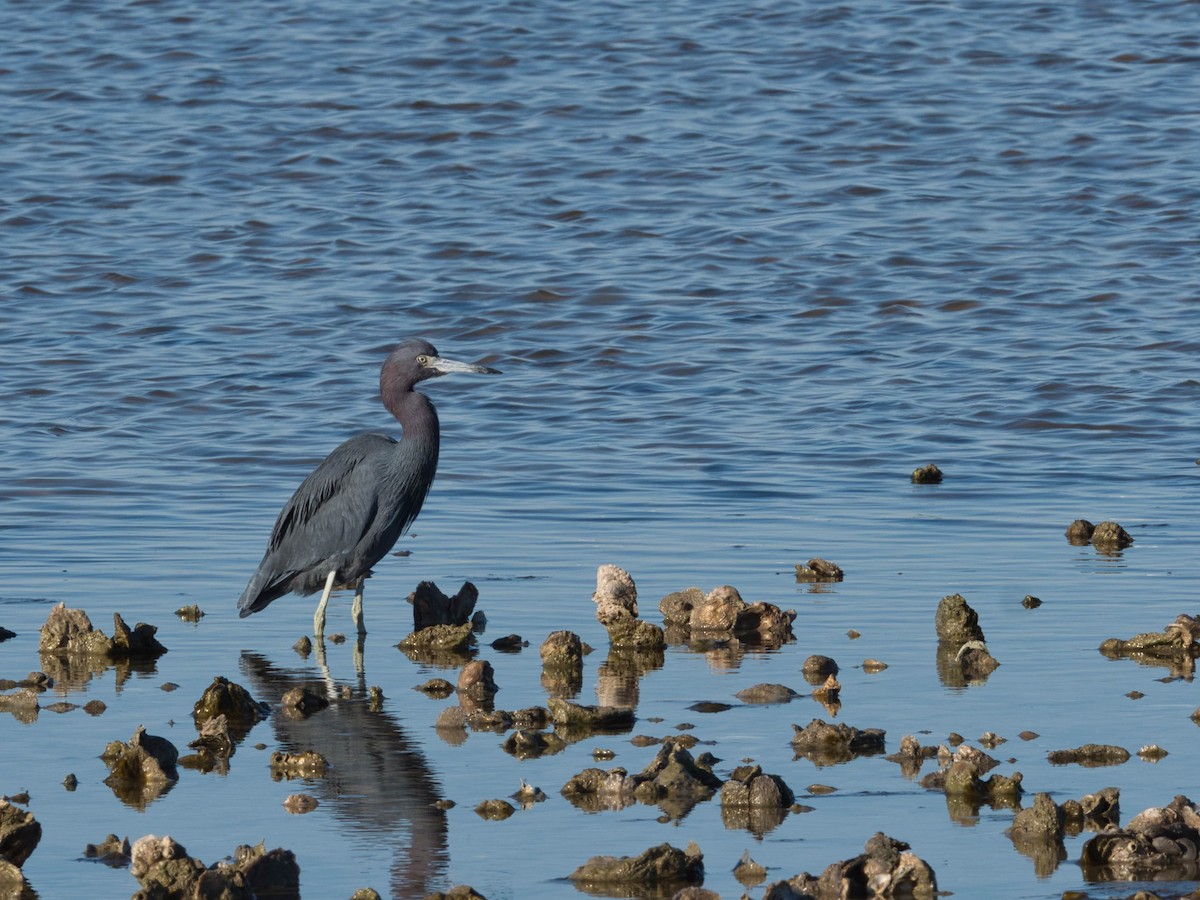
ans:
(334, 506)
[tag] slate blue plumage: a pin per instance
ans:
(348, 514)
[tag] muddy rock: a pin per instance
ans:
(432, 607)
(719, 610)
(226, 698)
(562, 649)
(826, 744)
(213, 747)
(1160, 843)
(1043, 820)
(674, 780)
(676, 607)
(885, 870)
(749, 786)
(818, 569)
(754, 801)
(23, 704)
(1110, 536)
(190, 613)
(112, 851)
(1177, 641)
(595, 789)
(962, 781)
(956, 622)
(1037, 833)
(591, 718)
(1080, 532)
(528, 744)
(274, 872)
(1093, 812)
(165, 870)
(615, 596)
(20, 833)
(663, 864)
(766, 693)
(437, 639)
(764, 623)
(299, 804)
(817, 668)
(1091, 755)
(962, 655)
(928, 474)
(636, 634)
(142, 769)
(70, 631)
(458, 892)
(748, 872)
(476, 680)
(911, 756)
(306, 764)
(495, 810)
(302, 701)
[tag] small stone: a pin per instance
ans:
(1110, 535)
(439, 688)
(299, 804)
(1080, 532)
(871, 666)
(929, 474)
(191, 613)
(1031, 602)
(71, 782)
(495, 810)
(303, 647)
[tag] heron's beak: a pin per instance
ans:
(443, 366)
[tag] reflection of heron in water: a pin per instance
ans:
(379, 784)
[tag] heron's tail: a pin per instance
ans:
(258, 595)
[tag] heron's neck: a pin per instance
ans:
(416, 415)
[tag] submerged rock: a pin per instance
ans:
(165, 870)
(70, 631)
(1176, 645)
(495, 810)
(676, 607)
(112, 851)
(306, 764)
(928, 474)
(663, 864)
(142, 769)
(432, 607)
(1160, 843)
(229, 699)
(766, 693)
(956, 622)
(755, 801)
(1091, 755)
(213, 747)
(1080, 532)
(435, 639)
(477, 680)
(562, 649)
(1110, 536)
(885, 870)
(302, 701)
(20, 833)
(825, 744)
(818, 569)
(190, 613)
(590, 718)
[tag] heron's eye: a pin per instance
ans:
(422, 360)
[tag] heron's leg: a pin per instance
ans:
(356, 611)
(359, 665)
(319, 615)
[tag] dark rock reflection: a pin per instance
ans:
(379, 784)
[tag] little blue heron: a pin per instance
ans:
(352, 509)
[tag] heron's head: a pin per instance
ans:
(417, 360)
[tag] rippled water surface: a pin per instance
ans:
(744, 267)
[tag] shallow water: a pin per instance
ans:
(744, 268)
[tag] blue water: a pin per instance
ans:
(743, 267)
